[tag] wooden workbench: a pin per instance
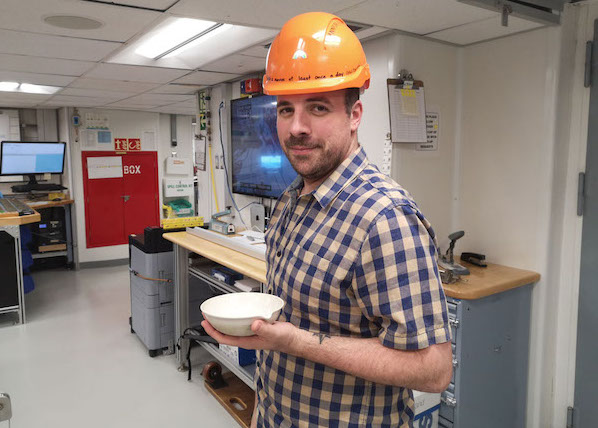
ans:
(483, 282)
(19, 219)
(242, 263)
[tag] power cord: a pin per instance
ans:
(134, 272)
(224, 162)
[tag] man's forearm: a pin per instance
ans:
(428, 369)
(254, 415)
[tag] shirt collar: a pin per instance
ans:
(337, 181)
(341, 177)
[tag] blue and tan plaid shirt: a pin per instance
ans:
(354, 258)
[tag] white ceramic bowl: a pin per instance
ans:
(233, 313)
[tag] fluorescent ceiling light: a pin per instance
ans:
(195, 41)
(38, 89)
(28, 88)
(9, 86)
(172, 37)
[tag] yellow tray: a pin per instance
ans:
(177, 223)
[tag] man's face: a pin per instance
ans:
(315, 131)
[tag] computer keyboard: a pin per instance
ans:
(22, 188)
(12, 206)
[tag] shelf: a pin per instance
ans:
(243, 373)
(49, 254)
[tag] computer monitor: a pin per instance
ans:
(30, 158)
(260, 167)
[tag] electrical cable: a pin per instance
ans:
(224, 162)
(249, 204)
(134, 272)
(213, 181)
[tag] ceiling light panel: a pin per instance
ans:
(119, 24)
(135, 73)
(217, 43)
(415, 16)
(38, 79)
(172, 33)
(28, 88)
(48, 65)
(43, 45)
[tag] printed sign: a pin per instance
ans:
(132, 169)
(432, 131)
(127, 144)
(104, 167)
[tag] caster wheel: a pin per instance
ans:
(153, 352)
(212, 373)
(131, 324)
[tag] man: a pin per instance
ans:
(348, 250)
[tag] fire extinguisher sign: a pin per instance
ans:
(127, 144)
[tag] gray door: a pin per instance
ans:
(586, 371)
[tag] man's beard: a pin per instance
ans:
(320, 166)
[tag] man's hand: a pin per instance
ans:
(279, 336)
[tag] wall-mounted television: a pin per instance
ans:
(260, 167)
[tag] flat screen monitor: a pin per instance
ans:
(260, 167)
(27, 158)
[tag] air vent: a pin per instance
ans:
(73, 22)
(357, 26)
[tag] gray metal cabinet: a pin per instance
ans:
(490, 361)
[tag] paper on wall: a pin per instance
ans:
(104, 167)
(148, 140)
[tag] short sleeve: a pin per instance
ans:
(397, 284)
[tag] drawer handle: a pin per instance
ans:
(454, 323)
(449, 401)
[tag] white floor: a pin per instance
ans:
(76, 364)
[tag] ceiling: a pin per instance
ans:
(99, 68)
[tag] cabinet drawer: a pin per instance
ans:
(448, 403)
(444, 423)
(454, 325)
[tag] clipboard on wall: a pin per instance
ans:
(407, 110)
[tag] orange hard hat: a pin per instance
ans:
(315, 52)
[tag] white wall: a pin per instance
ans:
(125, 124)
(428, 176)
(512, 191)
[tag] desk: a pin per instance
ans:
(184, 243)
(12, 295)
(12, 298)
(489, 314)
(69, 251)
